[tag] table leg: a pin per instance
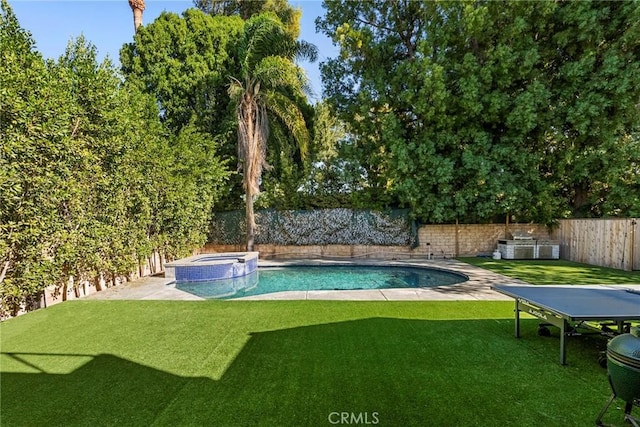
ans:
(517, 323)
(563, 342)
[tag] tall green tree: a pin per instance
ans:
(268, 80)
(593, 59)
(246, 9)
(472, 114)
(185, 62)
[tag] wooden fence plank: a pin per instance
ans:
(603, 242)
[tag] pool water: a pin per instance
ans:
(312, 278)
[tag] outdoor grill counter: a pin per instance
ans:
(526, 247)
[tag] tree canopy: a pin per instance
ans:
(289, 16)
(185, 62)
(474, 110)
(188, 63)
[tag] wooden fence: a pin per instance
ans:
(605, 242)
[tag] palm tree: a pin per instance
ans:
(268, 83)
(137, 7)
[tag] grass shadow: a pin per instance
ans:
(408, 372)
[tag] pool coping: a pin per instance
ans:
(477, 287)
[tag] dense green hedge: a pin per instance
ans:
(92, 182)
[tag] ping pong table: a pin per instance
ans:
(566, 306)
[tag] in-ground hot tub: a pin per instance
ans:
(208, 267)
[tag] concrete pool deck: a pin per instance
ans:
(478, 287)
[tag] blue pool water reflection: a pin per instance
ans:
(310, 278)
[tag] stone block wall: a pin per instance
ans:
(437, 241)
(450, 240)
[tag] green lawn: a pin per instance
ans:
(293, 363)
(556, 272)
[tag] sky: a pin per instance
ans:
(108, 24)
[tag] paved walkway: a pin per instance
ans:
(476, 288)
(146, 288)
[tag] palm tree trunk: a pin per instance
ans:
(247, 119)
(251, 225)
(137, 7)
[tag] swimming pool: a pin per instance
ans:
(313, 278)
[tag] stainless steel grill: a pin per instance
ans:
(526, 246)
